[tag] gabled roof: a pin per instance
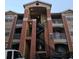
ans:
(37, 2)
(10, 12)
(68, 11)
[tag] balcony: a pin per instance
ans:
(16, 41)
(19, 23)
(16, 36)
(57, 23)
(41, 52)
(59, 37)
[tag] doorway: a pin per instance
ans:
(27, 49)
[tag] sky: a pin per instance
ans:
(57, 5)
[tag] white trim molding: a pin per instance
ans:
(25, 19)
(48, 18)
(33, 19)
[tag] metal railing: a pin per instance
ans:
(19, 22)
(16, 36)
(59, 35)
(57, 21)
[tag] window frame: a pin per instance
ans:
(69, 18)
(8, 18)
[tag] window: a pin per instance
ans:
(56, 58)
(16, 36)
(57, 20)
(40, 47)
(8, 18)
(58, 35)
(69, 18)
(15, 46)
(9, 55)
(7, 33)
(71, 33)
(17, 33)
(17, 55)
(7, 29)
(60, 49)
(37, 3)
(19, 21)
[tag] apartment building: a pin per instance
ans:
(39, 34)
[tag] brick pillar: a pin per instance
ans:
(46, 40)
(33, 40)
(24, 33)
(68, 38)
(12, 32)
(50, 32)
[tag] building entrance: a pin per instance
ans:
(27, 49)
(40, 15)
(41, 56)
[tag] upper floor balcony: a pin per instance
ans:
(16, 36)
(59, 37)
(19, 23)
(57, 23)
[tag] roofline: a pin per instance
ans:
(37, 1)
(67, 10)
(13, 12)
(51, 13)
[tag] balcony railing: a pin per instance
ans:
(59, 36)
(19, 22)
(57, 21)
(16, 36)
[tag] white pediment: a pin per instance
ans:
(37, 4)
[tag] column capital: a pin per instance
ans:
(33, 19)
(51, 33)
(26, 13)
(25, 19)
(48, 13)
(48, 18)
